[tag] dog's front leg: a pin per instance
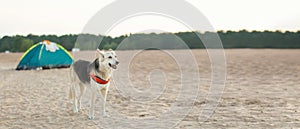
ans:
(92, 102)
(104, 95)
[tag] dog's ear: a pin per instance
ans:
(110, 49)
(96, 64)
(100, 55)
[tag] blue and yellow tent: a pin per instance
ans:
(45, 54)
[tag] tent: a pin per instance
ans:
(45, 55)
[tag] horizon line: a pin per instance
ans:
(126, 34)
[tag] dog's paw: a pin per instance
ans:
(75, 110)
(105, 115)
(79, 105)
(91, 117)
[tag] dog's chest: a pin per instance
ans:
(98, 86)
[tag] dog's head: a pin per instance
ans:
(108, 58)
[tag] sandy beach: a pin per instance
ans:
(262, 91)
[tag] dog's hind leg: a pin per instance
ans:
(72, 93)
(92, 102)
(75, 109)
(82, 91)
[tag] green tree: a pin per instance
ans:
(112, 45)
(21, 44)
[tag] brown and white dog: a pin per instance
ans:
(94, 75)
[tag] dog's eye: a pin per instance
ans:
(109, 57)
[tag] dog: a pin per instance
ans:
(96, 76)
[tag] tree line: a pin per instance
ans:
(180, 40)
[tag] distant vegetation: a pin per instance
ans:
(230, 39)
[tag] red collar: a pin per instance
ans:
(98, 79)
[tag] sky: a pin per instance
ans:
(70, 16)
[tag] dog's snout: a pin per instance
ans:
(117, 62)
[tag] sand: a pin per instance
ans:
(261, 91)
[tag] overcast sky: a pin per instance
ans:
(69, 16)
